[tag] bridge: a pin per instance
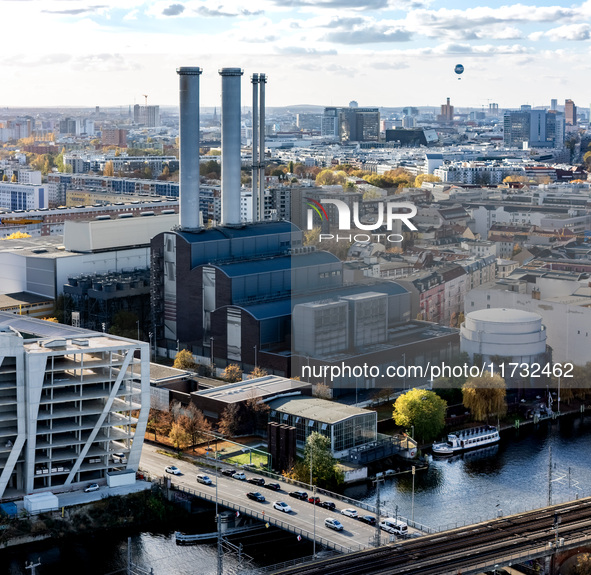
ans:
(544, 533)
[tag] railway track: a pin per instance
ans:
(462, 547)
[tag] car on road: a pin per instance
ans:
(392, 525)
(315, 500)
(91, 487)
(256, 481)
(172, 469)
(282, 506)
(228, 472)
(328, 505)
(333, 524)
(273, 486)
(256, 496)
(239, 475)
(369, 519)
(299, 495)
(204, 479)
(350, 513)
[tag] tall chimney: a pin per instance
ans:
(255, 147)
(261, 198)
(189, 147)
(231, 146)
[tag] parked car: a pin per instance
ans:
(91, 487)
(239, 475)
(328, 505)
(256, 481)
(119, 457)
(256, 496)
(369, 519)
(228, 472)
(282, 506)
(350, 513)
(333, 524)
(273, 486)
(204, 479)
(299, 495)
(172, 469)
(315, 500)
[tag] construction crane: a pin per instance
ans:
(146, 99)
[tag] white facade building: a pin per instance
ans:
(22, 196)
(67, 397)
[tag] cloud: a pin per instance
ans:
(174, 10)
(574, 32)
(368, 36)
(389, 65)
(300, 50)
(75, 11)
(351, 4)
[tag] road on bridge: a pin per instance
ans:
(355, 535)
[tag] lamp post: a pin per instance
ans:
(413, 495)
(138, 329)
(313, 502)
(404, 363)
(150, 336)
(255, 356)
(211, 356)
(220, 570)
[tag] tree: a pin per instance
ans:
(51, 319)
(485, 396)
(583, 566)
(425, 178)
(232, 373)
(257, 412)
(329, 178)
(124, 324)
(231, 421)
(13, 179)
(257, 372)
(321, 391)
(178, 436)
(109, 170)
(422, 409)
(318, 455)
(290, 167)
(196, 424)
(184, 360)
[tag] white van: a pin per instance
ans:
(390, 525)
(119, 458)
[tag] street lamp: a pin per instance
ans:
(220, 570)
(413, 495)
(211, 356)
(313, 503)
(150, 336)
(255, 356)
(138, 329)
(404, 363)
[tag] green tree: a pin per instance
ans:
(184, 360)
(485, 396)
(317, 453)
(424, 410)
(125, 325)
(290, 167)
(232, 373)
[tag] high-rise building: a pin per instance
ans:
(330, 123)
(538, 128)
(352, 124)
(447, 112)
(74, 406)
(148, 116)
(554, 104)
(570, 113)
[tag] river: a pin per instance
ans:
(506, 479)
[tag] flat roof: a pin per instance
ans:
(263, 387)
(22, 297)
(160, 373)
(317, 409)
(504, 315)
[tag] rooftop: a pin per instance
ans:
(504, 315)
(316, 409)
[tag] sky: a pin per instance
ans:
(322, 52)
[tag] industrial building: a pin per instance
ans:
(346, 426)
(70, 400)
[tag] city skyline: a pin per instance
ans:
(328, 52)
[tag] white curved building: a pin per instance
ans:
(514, 335)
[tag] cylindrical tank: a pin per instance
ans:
(189, 147)
(502, 332)
(231, 130)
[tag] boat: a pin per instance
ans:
(472, 438)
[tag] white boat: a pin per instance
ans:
(467, 439)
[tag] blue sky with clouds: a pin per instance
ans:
(378, 52)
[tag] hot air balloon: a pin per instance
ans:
(459, 69)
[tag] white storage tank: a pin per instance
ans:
(512, 334)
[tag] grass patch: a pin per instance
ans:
(258, 459)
